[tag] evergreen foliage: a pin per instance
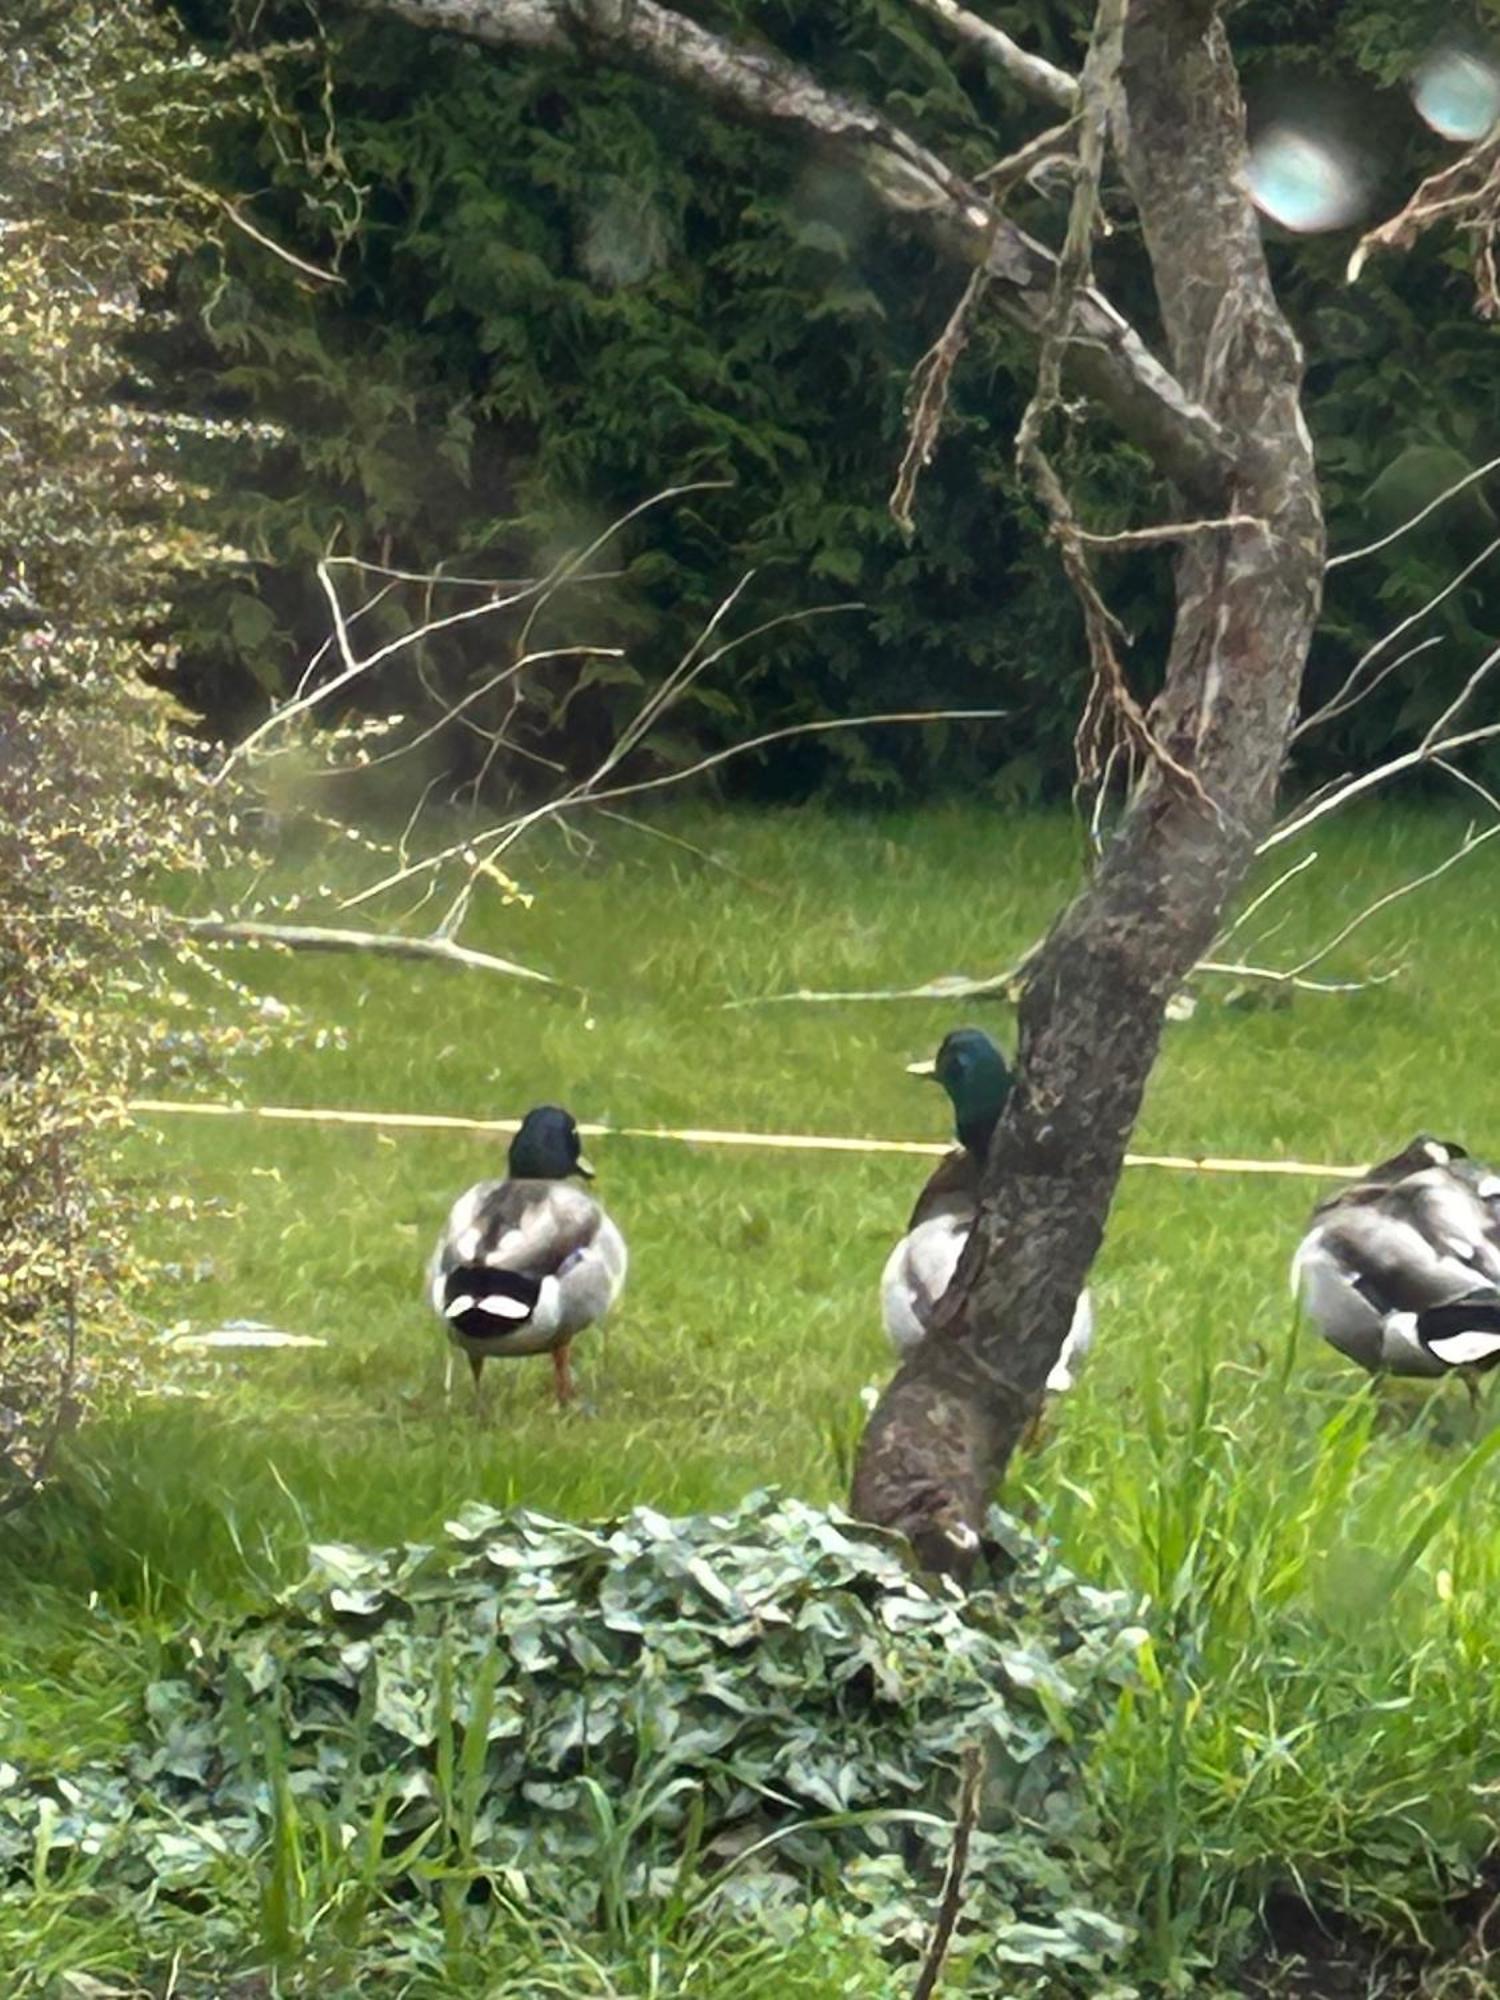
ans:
(636, 1732)
(565, 287)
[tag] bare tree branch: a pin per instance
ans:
(1468, 193)
(1034, 73)
(315, 937)
(499, 839)
(1415, 520)
(1467, 846)
(1277, 976)
(1349, 696)
(1105, 357)
(1434, 748)
(927, 401)
(1346, 697)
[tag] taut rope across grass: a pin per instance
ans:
(789, 1142)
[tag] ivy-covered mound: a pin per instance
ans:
(750, 1713)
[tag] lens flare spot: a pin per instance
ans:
(1458, 94)
(1305, 182)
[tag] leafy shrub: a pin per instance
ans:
(99, 782)
(624, 1728)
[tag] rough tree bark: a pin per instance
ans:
(1227, 431)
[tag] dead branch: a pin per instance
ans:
(1047, 147)
(1111, 715)
(1349, 696)
(1034, 73)
(1467, 194)
(785, 1142)
(1346, 697)
(927, 401)
(1467, 846)
(315, 937)
(1169, 531)
(950, 1899)
(1353, 788)
(499, 839)
(1259, 901)
(1279, 976)
(1414, 521)
(538, 592)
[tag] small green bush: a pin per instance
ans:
(616, 1732)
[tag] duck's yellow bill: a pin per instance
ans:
(927, 1068)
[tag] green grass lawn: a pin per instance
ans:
(1322, 1565)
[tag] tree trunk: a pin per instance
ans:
(1091, 1013)
(1226, 429)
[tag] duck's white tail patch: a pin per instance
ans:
(1464, 1334)
(1463, 1350)
(502, 1307)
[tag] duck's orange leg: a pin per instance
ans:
(562, 1373)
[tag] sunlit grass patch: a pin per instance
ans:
(1322, 1563)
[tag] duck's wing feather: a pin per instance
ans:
(1416, 1247)
(951, 1189)
(534, 1227)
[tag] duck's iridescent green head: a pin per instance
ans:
(547, 1147)
(977, 1079)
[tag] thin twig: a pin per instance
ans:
(1259, 902)
(1471, 841)
(1467, 191)
(1369, 781)
(998, 180)
(951, 1898)
(503, 837)
(1275, 975)
(1344, 700)
(1415, 520)
(927, 398)
(949, 986)
(538, 592)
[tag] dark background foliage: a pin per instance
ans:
(564, 289)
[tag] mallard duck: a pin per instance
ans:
(919, 1270)
(525, 1264)
(1401, 1272)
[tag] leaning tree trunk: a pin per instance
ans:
(1091, 1014)
(1226, 430)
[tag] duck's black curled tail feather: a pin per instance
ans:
(485, 1304)
(1464, 1334)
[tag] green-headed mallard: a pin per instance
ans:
(920, 1268)
(525, 1264)
(1401, 1272)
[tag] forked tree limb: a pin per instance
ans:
(1106, 356)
